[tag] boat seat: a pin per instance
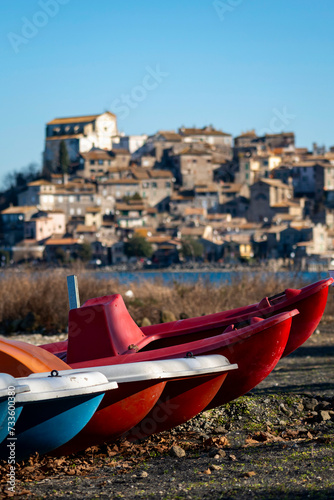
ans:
(255, 320)
(264, 304)
(100, 328)
(290, 293)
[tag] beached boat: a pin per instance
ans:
(256, 348)
(47, 411)
(117, 335)
(140, 386)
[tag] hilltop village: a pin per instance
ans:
(195, 195)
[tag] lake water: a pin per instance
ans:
(212, 277)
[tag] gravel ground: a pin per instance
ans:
(276, 442)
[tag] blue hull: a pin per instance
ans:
(4, 426)
(46, 425)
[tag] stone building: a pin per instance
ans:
(80, 134)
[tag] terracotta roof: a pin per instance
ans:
(125, 207)
(40, 182)
(19, 210)
(97, 154)
(121, 151)
(202, 131)
(190, 151)
(192, 231)
(93, 210)
(170, 135)
(62, 241)
(77, 119)
(274, 183)
(139, 173)
(249, 133)
(119, 181)
(82, 228)
(231, 188)
(155, 174)
(63, 137)
(194, 211)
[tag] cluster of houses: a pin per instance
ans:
(246, 198)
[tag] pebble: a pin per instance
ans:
(177, 451)
(310, 404)
(144, 474)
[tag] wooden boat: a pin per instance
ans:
(140, 385)
(51, 410)
(108, 316)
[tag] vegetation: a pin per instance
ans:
(64, 160)
(42, 297)
(191, 248)
(138, 246)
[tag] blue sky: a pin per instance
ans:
(236, 64)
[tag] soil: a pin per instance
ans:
(276, 442)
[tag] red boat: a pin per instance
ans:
(310, 302)
(139, 387)
(100, 328)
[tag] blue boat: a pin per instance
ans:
(50, 410)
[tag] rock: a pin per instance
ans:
(167, 316)
(310, 404)
(220, 430)
(215, 467)
(184, 315)
(251, 473)
(145, 322)
(144, 474)
(324, 415)
(323, 405)
(177, 451)
(221, 453)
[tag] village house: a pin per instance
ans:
(99, 162)
(80, 134)
(13, 222)
(256, 166)
(62, 249)
(44, 224)
(208, 135)
(130, 143)
(93, 217)
(192, 167)
(264, 194)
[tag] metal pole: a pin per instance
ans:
(73, 291)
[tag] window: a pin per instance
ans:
(79, 211)
(247, 166)
(167, 184)
(71, 199)
(100, 162)
(60, 199)
(146, 185)
(154, 185)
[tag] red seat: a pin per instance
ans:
(100, 328)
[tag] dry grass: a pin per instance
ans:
(37, 301)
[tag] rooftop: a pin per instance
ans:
(77, 119)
